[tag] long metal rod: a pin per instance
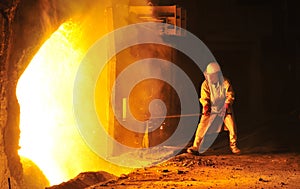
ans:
(181, 115)
(176, 116)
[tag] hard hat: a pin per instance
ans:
(212, 67)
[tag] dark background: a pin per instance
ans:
(257, 44)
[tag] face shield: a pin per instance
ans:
(213, 78)
(217, 90)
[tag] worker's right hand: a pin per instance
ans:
(206, 110)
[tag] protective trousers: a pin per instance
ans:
(203, 126)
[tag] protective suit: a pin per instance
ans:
(216, 98)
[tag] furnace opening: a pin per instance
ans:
(49, 136)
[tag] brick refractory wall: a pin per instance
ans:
(10, 167)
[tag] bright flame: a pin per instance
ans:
(49, 136)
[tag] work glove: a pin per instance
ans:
(224, 109)
(206, 110)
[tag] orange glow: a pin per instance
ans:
(49, 136)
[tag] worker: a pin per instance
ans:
(216, 98)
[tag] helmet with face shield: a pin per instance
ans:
(213, 67)
(213, 72)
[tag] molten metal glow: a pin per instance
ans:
(49, 136)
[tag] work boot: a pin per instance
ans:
(193, 150)
(234, 149)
